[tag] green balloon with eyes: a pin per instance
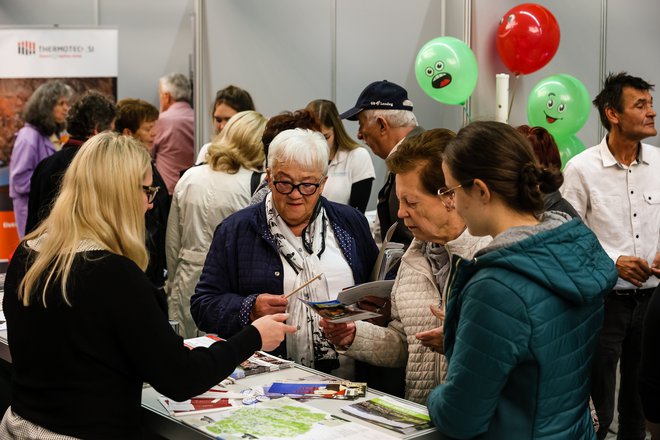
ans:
(446, 70)
(560, 104)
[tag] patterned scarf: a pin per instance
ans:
(308, 345)
(438, 257)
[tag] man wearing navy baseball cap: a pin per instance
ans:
(385, 117)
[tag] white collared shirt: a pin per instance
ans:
(621, 204)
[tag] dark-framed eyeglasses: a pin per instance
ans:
(304, 188)
(151, 192)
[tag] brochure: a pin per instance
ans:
(391, 414)
(213, 400)
(343, 390)
(259, 362)
(273, 363)
(337, 312)
(380, 288)
(201, 341)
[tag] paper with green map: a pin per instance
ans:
(280, 419)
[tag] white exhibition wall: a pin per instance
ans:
(155, 36)
(288, 52)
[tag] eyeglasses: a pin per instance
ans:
(450, 192)
(151, 192)
(306, 189)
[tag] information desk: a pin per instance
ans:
(158, 421)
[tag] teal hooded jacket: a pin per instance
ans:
(522, 324)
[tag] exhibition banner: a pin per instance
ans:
(58, 53)
(84, 58)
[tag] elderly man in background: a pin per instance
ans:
(174, 141)
(385, 118)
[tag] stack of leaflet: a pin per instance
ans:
(391, 413)
(213, 400)
(338, 389)
(259, 362)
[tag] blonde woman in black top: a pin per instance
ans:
(84, 327)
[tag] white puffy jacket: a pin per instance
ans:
(395, 345)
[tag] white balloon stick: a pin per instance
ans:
(501, 97)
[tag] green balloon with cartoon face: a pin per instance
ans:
(446, 70)
(560, 104)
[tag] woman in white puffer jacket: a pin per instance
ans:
(414, 336)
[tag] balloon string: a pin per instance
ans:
(513, 96)
(467, 113)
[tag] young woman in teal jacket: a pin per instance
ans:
(523, 316)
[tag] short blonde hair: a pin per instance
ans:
(101, 199)
(239, 144)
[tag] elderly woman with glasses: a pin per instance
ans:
(414, 336)
(267, 250)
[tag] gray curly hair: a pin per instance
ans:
(38, 110)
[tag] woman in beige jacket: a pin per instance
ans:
(414, 336)
(204, 196)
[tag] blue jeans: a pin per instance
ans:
(620, 340)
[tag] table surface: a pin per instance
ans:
(160, 422)
(157, 420)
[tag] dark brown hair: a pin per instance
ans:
(286, 121)
(612, 92)
(92, 111)
(423, 151)
(500, 156)
(235, 97)
(131, 113)
(544, 145)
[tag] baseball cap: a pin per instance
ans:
(381, 95)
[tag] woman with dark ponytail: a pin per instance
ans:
(523, 316)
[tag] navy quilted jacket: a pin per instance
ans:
(243, 260)
(521, 328)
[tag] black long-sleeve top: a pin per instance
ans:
(649, 377)
(79, 370)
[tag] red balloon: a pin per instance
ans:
(527, 38)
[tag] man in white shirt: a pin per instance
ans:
(615, 187)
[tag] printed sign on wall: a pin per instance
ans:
(58, 53)
(85, 59)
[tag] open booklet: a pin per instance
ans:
(379, 288)
(338, 312)
(340, 309)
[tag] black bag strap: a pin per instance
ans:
(255, 180)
